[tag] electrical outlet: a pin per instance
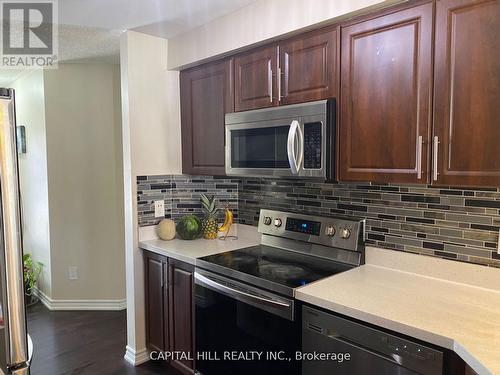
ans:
(72, 273)
(159, 209)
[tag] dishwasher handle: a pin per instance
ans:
(390, 357)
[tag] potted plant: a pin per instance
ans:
(32, 271)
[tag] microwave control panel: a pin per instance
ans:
(312, 145)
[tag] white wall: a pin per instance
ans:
(151, 145)
(30, 112)
(154, 114)
(83, 122)
(256, 23)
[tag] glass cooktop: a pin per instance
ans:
(271, 267)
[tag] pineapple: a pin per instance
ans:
(209, 223)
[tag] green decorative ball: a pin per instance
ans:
(189, 227)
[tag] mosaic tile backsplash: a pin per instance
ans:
(454, 223)
(181, 194)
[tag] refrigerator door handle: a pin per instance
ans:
(11, 239)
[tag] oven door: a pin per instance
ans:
(232, 317)
(290, 146)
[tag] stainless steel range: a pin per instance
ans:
(245, 298)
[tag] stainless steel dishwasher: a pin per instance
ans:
(371, 351)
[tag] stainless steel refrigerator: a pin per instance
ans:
(14, 340)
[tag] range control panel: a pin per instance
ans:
(340, 231)
(303, 226)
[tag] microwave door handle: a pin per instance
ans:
(300, 147)
(292, 134)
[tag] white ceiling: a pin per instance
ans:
(89, 30)
(79, 44)
(171, 17)
(88, 44)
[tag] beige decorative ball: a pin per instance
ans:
(166, 229)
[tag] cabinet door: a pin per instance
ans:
(255, 79)
(206, 96)
(156, 312)
(181, 313)
(309, 67)
(467, 93)
(386, 96)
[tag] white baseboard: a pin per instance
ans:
(82, 304)
(136, 357)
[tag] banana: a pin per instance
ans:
(228, 221)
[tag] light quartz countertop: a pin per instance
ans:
(188, 250)
(462, 315)
(450, 304)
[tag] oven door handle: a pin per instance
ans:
(233, 292)
(290, 146)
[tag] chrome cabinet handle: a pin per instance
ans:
(435, 145)
(234, 292)
(279, 85)
(419, 157)
(270, 82)
(290, 146)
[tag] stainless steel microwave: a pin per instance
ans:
(289, 141)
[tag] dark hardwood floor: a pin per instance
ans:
(83, 342)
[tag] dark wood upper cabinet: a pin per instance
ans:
(254, 79)
(300, 69)
(156, 302)
(397, 123)
(206, 96)
(386, 96)
(467, 93)
(309, 67)
(181, 289)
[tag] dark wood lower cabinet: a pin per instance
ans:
(169, 308)
(180, 296)
(156, 302)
